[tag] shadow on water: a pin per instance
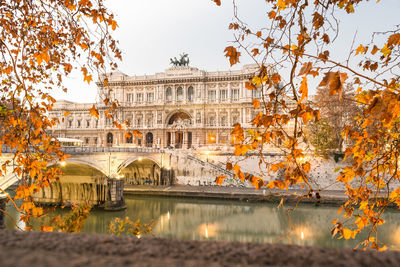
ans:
(206, 219)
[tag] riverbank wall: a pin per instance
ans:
(38, 249)
(332, 197)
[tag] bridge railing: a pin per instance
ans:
(89, 150)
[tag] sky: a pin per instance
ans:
(150, 32)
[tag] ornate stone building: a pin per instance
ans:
(182, 107)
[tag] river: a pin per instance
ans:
(210, 219)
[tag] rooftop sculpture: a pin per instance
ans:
(183, 61)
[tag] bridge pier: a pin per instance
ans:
(167, 176)
(115, 195)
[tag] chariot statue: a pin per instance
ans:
(183, 61)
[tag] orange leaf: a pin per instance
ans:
(94, 112)
(256, 103)
(220, 179)
(88, 78)
(306, 167)
(303, 89)
(394, 39)
(233, 55)
(67, 113)
(276, 78)
(374, 50)
(218, 2)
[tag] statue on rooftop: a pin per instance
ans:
(183, 61)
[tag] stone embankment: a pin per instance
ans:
(330, 197)
(38, 249)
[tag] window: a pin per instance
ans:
(212, 138)
(87, 124)
(179, 94)
(79, 123)
(235, 93)
(150, 97)
(95, 140)
(223, 94)
(190, 93)
(168, 94)
(129, 98)
(256, 93)
(223, 121)
(139, 122)
(69, 124)
(97, 123)
(129, 138)
(139, 97)
(159, 119)
(211, 94)
(87, 140)
(235, 119)
(149, 122)
(212, 121)
(198, 117)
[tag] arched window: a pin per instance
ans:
(168, 94)
(179, 94)
(190, 93)
(129, 138)
(149, 139)
(109, 138)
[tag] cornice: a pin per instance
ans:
(178, 80)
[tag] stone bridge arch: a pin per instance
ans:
(81, 162)
(141, 170)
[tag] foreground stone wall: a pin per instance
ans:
(58, 249)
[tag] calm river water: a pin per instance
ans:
(206, 219)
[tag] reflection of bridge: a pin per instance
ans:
(88, 167)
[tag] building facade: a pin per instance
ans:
(183, 107)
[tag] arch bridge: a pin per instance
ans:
(99, 174)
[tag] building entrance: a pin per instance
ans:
(178, 139)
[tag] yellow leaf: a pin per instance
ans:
(386, 50)
(67, 113)
(281, 5)
(256, 81)
(347, 233)
(360, 50)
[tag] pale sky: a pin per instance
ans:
(151, 32)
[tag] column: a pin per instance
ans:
(229, 92)
(217, 122)
(241, 92)
(217, 97)
(173, 138)
(184, 139)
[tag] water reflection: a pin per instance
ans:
(199, 219)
